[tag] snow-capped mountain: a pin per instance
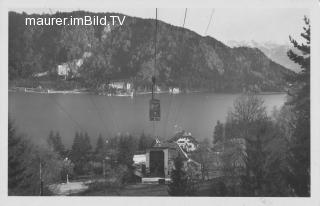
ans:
(276, 52)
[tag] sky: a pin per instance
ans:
(228, 24)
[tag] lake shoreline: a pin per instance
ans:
(85, 91)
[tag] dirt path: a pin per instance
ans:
(68, 188)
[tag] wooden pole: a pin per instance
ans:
(103, 169)
(40, 176)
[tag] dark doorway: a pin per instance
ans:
(157, 163)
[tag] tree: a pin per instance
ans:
(202, 155)
(81, 153)
(234, 162)
(180, 184)
(18, 148)
(100, 151)
(145, 142)
(100, 155)
(67, 169)
(248, 108)
(96, 69)
(76, 153)
(218, 133)
(276, 164)
(55, 143)
(126, 149)
(76, 40)
(252, 136)
(24, 165)
(51, 166)
(87, 148)
(299, 93)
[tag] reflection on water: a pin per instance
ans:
(37, 114)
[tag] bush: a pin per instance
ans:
(181, 184)
(121, 173)
(219, 189)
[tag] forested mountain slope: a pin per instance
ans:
(184, 58)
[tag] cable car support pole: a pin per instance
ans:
(155, 55)
(154, 68)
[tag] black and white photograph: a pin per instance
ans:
(160, 101)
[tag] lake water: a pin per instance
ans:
(37, 114)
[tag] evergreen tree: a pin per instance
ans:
(81, 153)
(87, 148)
(202, 155)
(126, 147)
(100, 151)
(299, 156)
(59, 145)
(218, 133)
(76, 153)
(126, 150)
(75, 149)
(24, 163)
(179, 185)
(249, 123)
(145, 142)
(17, 167)
(55, 143)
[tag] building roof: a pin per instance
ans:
(171, 145)
(183, 134)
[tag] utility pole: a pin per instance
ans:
(223, 136)
(154, 104)
(155, 56)
(103, 161)
(66, 160)
(153, 85)
(40, 176)
(103, 168)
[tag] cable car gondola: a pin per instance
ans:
(154, 105)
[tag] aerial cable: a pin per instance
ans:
(70, 117)
(154, 104)
(185, 16)
(93, 103)
(211, 15)
(77, 124)
(168, 111)
(68, 114)
(178, 111)
(100, 117)
(114, 120)
(167, 116)
(95, 106)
